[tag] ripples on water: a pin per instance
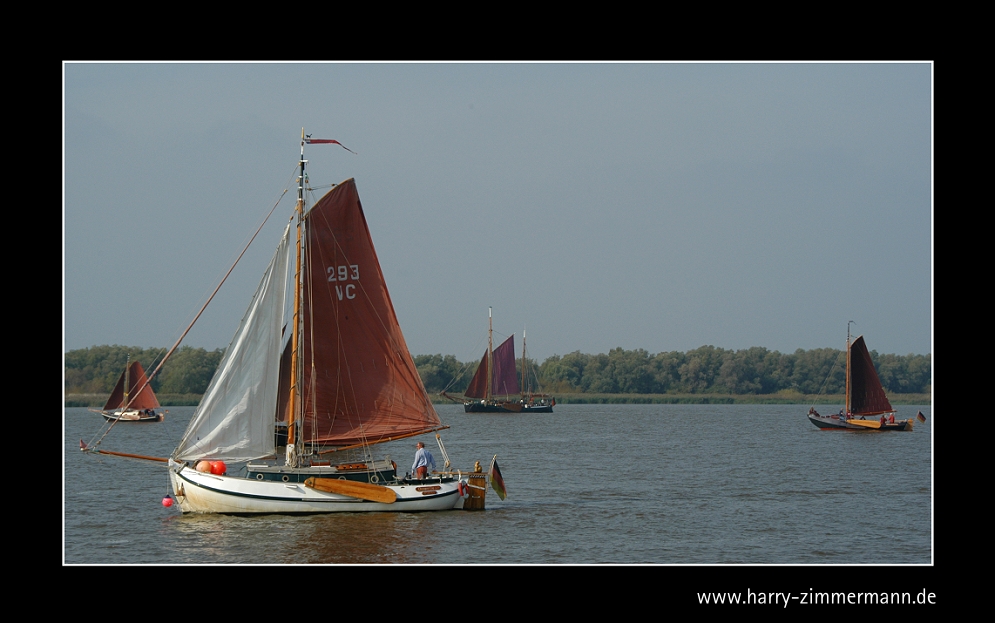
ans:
(659, 484)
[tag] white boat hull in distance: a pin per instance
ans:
(199, 492)
(131, 415)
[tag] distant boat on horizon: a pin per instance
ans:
(494, 387)
(865, 397)
(142, 404)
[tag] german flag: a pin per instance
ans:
(497, 482)
(921, 417)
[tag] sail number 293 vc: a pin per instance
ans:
(344, 273)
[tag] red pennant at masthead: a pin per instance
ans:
(319, 141)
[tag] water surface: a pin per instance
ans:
(658, 484)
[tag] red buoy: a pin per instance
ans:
(218, 468)
(167, 501)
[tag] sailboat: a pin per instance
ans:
(533, 399)
(303, 415)
(865, 396)
(132, 399)
(494, 387)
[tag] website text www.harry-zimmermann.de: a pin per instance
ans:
(820, 598)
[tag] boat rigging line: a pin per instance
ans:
(442, 449)
(92, 445)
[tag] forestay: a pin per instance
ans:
(236, 415)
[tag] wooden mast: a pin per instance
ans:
(847, 407)
(490, 356)
(127, 383)
(525, 389)
(295, 338)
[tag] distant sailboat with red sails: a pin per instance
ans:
(494, 387)
(133, 399)
(865, 397)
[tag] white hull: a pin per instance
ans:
(199, 492)
(131, 415)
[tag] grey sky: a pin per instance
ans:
(655, 206)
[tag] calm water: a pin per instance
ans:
(661, 484)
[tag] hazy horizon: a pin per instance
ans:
(655, 206)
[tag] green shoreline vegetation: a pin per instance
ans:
(191, 400)
(706, 375)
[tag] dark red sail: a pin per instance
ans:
(136, 379)
(360, 384)
(505, 379)
(505, 382)
(867, 397)
(478, 384)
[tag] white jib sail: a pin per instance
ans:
(235, 419)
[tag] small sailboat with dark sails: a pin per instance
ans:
(865, 396)
(132, 399)
(494, 387)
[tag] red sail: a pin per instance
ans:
(505, 378)
(360, 383)
(478, 385)
(867, 397)
(136, 379)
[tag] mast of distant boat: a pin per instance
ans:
(524, 384)
(847, 398)
(490, 355)
(127, 381)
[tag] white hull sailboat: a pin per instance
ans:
(285, 404)
(199, 492)
(132, 399)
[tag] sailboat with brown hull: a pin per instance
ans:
(132, 399)
(865, 397)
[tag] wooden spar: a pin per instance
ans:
(353, 489)
(292, 402)
(523, 387)
(847, 390)
(370, 443)
(445, 395)
(127, 370)
(83, 447)
(866, 423)
(490, 355)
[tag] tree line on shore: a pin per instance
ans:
(705, 370)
